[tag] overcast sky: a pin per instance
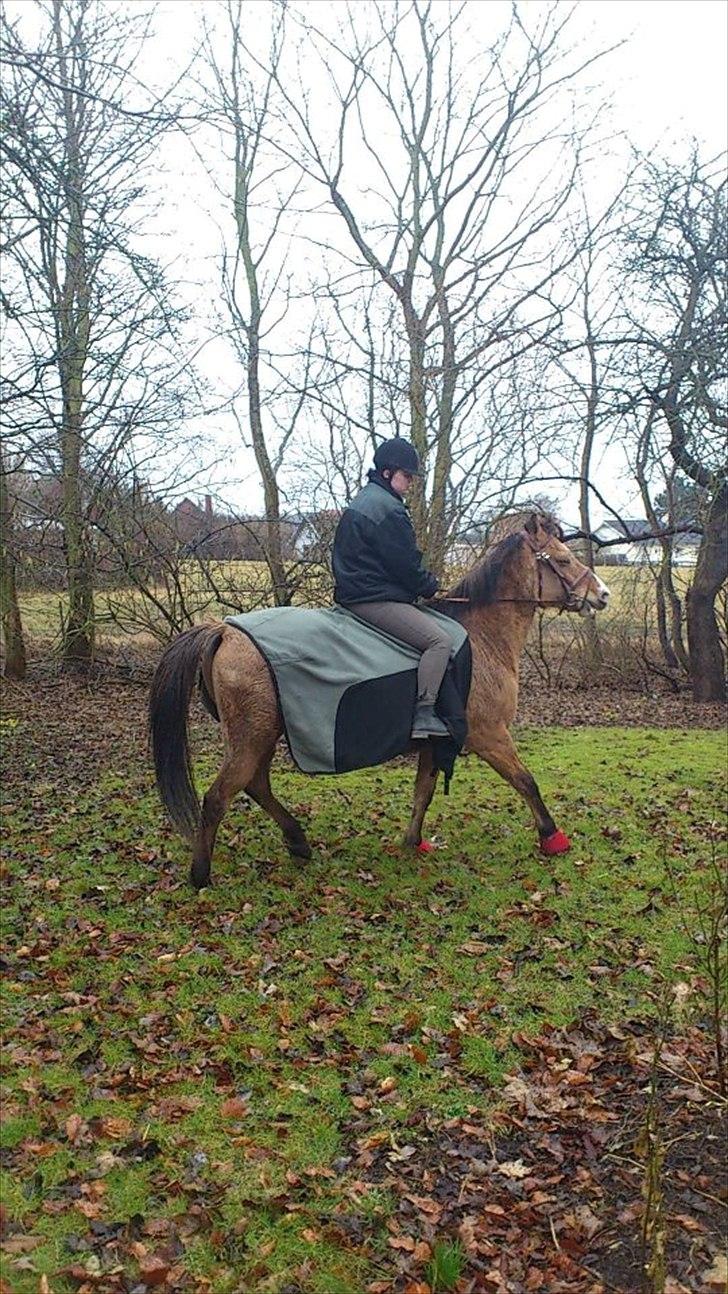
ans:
(667, 83)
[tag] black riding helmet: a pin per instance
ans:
(397, 455)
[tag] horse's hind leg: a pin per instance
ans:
(237, 770)
(424, 791)
(497, 748)
(259, 789)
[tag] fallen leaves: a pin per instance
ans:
(557, 1210)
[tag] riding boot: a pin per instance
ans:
(426, 723)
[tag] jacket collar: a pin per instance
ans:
(376, 478)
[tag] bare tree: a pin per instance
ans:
(90, 325)
(10, 619)
(452, 168)
(256, 279)
(679, 246)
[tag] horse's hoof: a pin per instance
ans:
(557, 843)
(301, 850)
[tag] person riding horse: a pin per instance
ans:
(379, 575)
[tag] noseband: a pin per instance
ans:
(574, 601)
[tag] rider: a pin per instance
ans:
(379, 575)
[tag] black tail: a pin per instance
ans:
(169, 703)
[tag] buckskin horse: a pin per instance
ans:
(496, 601)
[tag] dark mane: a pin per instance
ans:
(480, 584)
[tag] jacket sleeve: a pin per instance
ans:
(403, 558)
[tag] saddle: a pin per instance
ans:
(347, 691)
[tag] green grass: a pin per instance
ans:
(446, 1266)
(128, 997)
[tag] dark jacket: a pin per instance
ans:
(376, 558)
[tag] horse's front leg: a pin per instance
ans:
(497, 748)
(424, 791)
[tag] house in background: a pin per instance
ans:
(640, 548)
(314, 538)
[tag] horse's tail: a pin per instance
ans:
(169, 702)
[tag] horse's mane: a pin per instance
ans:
(480, 584)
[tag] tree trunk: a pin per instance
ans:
(74, 332)
(591, 633)
(707, 667)
(271, 495)
(663, 634)
(418, 419)
(273, 546)
(10, 621)
(438, 521)
(78, 635)
(676, 646)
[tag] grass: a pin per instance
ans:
(446, 1266)
(198, 1058)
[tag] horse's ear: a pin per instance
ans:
(533, 521)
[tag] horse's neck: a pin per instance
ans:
(505, 622)
(504, 626)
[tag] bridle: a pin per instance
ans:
(574, 601)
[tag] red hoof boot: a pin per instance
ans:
(425, 847)
(556, 843)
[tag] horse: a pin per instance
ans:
(530, 568)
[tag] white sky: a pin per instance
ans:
(667, 83)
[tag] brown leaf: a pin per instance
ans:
(387, 1085)
(690, 1224)
(412, 1021)
(90, 1208)
(74, 1127)
(173, 1107)
(514, 1169)
(405, 1243)
(234, 1108)
(114, 1127)
(715, 1277)
(20, 1244)
(154, 1270)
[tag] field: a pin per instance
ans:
(125, 615)
(377, 1071)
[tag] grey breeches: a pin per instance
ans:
(403, 621)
